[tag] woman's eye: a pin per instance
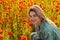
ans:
(34, 15)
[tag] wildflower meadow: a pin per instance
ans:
(15, 23)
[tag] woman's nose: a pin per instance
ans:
(32, 18)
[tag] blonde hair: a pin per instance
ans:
(40, 13)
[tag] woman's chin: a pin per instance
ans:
(34, 23)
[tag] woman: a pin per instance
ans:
(45, 28)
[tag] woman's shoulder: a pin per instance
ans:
(50, 22)
(50, 26)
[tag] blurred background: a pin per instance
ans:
(15, 23)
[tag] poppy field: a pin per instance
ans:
(15, 23)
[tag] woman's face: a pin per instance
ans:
(34, 18)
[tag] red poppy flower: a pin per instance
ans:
(30, 24)
(1, 36)
(55, 1)
(20, 7)
(1, 31)
(13, 0)
(55, 18)
(56, 23)
(17, 15)
(1, 22)
(11, 17)
(7, 13)
(23, 0)
(23, 38)
(57, 6)
(10, 33)
(34, 3)
(5, 3)
(9, 7)
(25, 20)
(30, 3)
(0, 2)
(56, 10)
(7, 20)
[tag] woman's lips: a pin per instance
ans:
(33, 20)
